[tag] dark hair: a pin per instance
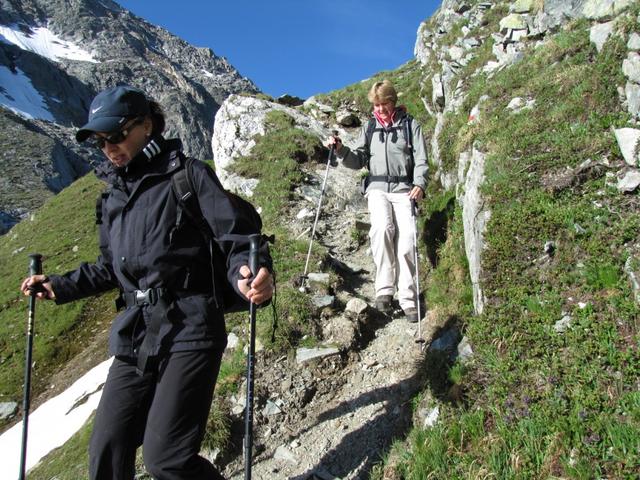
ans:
(157, 117)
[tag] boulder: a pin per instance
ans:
(8, 410)
(601, 9)
(341, 332)
(631, 67)
(290, 100)
(513, 21)
(628, 142)
(475, 217)
(632, 94)
(346, 118)
(522, 6)
(630, 182)
(304, 355)
(237, 122)
(599, 34)
(634, 41)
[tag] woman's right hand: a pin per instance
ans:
(40, 284)
(335, 141)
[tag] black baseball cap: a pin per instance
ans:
(112, 108)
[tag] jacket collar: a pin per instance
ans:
(157, 157)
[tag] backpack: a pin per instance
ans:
(405, 125)
(182, 186)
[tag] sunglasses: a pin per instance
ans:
(115, 137)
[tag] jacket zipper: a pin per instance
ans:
(386, 157)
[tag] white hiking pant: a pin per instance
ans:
(391, 236)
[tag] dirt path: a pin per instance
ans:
(339, 415)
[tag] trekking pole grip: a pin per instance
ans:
(35, 264)
(254, 245)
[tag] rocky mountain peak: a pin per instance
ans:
(55, 55)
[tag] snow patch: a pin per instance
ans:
(18, 94)
(51, 425)
(45, 43)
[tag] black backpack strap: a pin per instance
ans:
(408, 137)
(99, 202)
(182, 184)
(368, 135)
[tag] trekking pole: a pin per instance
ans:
(35, 268)
(315, 223)
(254, 244)
(414, 207)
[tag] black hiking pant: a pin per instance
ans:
(165, 411)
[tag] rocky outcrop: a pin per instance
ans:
(238, 121)
(475, 216)
(449, 41)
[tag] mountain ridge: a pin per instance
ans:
(62, 52)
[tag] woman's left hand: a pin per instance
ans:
(261, 288)
(416, 194)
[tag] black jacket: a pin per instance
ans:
(143, 246)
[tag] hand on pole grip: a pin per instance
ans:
(334, 146)
(254, 246)
(35, 268)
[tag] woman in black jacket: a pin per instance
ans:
(169, 339)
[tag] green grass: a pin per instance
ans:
(69, 462)
(539, 404)
(284, 148)
(64, 232)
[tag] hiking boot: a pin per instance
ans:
(411, 314)
(383, 303)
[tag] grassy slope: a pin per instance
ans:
(538, 404)
(63, 231)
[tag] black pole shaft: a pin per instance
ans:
(35, 268)
(254, 244)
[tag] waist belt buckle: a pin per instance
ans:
(144, 297)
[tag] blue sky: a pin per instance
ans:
(299, 47)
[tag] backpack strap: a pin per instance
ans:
(182, 185)
(99, 202)
(368, 135)
(408, 137)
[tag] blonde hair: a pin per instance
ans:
(382, 92)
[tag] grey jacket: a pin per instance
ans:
(389, 156)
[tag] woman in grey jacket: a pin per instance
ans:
(393, 150)
(169, 338)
